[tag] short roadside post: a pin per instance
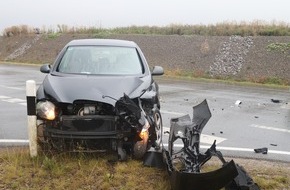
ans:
(31, 116)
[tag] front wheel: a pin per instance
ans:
(158, 129)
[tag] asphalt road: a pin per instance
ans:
(255, 123)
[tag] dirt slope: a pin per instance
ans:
(244, 58)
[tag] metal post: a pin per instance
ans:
(31, 116)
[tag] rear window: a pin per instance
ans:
(101, 60)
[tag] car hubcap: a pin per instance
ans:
(158, 129)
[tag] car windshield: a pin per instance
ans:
(101, 60)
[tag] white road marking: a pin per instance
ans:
(13, 88)
(207, 139)
(174, 87)
(235, 149)
(286, 106)
(172, 113)
(13, 100)
(270, 128)
(4, 97)
(3, 141)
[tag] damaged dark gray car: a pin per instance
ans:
(99, 95)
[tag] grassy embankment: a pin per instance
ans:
(255, 28)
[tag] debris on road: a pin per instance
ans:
(273, 144)
(184, 165)
(261, 150)
(238, 102)
(276, 101)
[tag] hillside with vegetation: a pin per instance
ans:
(254, 52)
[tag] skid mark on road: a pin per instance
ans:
(13, 100)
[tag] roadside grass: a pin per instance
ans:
(75, 171)
(255, 28)
(95, 171)
(272, 82)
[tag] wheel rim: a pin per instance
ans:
(158, 129)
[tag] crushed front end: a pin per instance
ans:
(94, 126)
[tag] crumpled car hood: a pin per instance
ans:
(67, 89)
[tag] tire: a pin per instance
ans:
(158, 129)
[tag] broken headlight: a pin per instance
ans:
(45, 110)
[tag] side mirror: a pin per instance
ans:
(157, 70)
(45, 68)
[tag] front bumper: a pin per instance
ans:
(86, 127)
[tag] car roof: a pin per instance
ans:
(102, 42)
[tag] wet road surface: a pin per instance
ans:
(255, 123)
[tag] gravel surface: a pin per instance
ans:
(242, 58)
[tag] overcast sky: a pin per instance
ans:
(113, 13)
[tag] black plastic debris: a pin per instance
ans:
(276, 101)
(243, 181)
(273, 144)
(204, 181)
(256, 117)
(154, 159)
(261, 150)
(185, 164)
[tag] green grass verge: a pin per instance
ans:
(271, 82)
(75, 171)
(94, 171)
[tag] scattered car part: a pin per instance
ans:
(184, 164)
(243, 181)
(276, 101)
(261, 150)
(154, 158)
